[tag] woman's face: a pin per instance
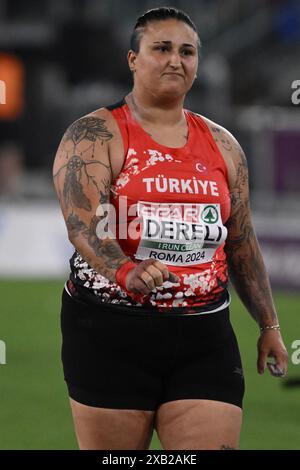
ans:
(167, 61)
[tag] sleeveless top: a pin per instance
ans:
(169, 204)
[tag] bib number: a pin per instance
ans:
(180, 234)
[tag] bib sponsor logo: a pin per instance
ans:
(210, 215)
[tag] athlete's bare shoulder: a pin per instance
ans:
(100, 126)
(105, 116)
(92, 127)
(229, 147)
(115, 146)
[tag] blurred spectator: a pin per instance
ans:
(11, 170)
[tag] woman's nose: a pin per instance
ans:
(175, 59)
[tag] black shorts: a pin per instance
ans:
(117, 358)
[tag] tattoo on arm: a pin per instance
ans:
(76, 170)
(108, 252)
(245, 261)
(79, 182)
(83, 134)
(220, 136)
(75, 226)
(89, 128)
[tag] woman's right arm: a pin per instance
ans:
(82, 176)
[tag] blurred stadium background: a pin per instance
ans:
(61, 59)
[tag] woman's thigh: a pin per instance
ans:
(198, 424)
(105, 428)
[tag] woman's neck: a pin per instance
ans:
(156, 112)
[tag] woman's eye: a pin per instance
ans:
(186, 52)
(166, 49)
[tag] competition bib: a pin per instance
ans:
(180, 234)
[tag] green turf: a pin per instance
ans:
(34, 411)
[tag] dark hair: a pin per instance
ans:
(158, 14)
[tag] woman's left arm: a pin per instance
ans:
(245, 263)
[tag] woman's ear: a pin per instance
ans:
(131, 57)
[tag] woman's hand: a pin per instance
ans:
(148, 275)
(270, 345)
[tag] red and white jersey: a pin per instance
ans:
(171, 204)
